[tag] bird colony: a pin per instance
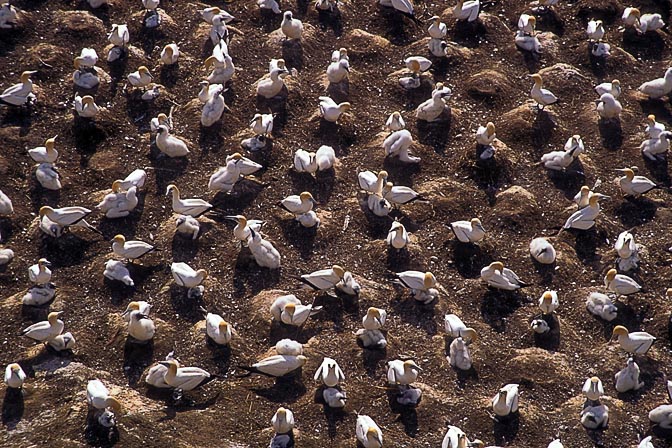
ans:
(335, 224)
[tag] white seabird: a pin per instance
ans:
(332, 111)
(243, 229)
(277, 365)
(329, 372)
(620, 284)
(468, 231)
(184, 275)
(170, 54)
(213, 108)
(218, 329)
(46, 329)
(438, 29)
(595, 30)
(132, 249)
(264, 253)
(282, 421)
(609, 107)
(65, 216)
(395, 122)
(634, 185)
(505, 402)
(542, 250)
(323, 279)
(292, 28)
(593, 388)
(432, 109)
(19, 94)
(628, 378)
(169, 144)
(397, 237)
(601, 305)
(39, 273)
(6, 207)
(141, 77)
(14, 376)
(368, 433)
(46, 153)
(655, 149)
(459, 356)
(398, 143)
(183, 378)
(39, 295)
(638, 342)
(141, 327)
(584, 218)
(653, 128)
(548, 302)
(136, 305)
(421, 284)
(187, 226)
(119, 204)
(497, 276)
(658, 87)
(543, 97)
(273, 85)
(48, 176)
(613, 87)
(191, 207)
(374, 319)
(85, 106)
(298, 204)
(466, 10)
(99, 397)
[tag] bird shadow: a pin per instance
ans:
(546, 271)
(284, 390)
(300, 237)
(88, 135)
(643, 46)
(371, 358)
(398, 259)
(407, 415)
(183, 249)
(468, 258)
(402, 173)
(417, 314)
(436, 133)
(331, 19)
(551, 339)
(166, 169)
(542, 128)
(611, 133)
(469, 34)
(185, 307)
(658, 170)
(505, 429)
(169, 74)
(334, 416)
(98, 435)
(569, 180)
(292, 53)
(496, 306)
(340, 91)
(598, 64)
(250, 278)
(395, 31)
(243, 194)
(586, 244)
(636, 211)
(137, 357)
(68, 250)
(184, 405)
(13, 408)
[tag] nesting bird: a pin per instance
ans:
(422, 285)
(132, 249)
(39, 273)
(542, 250)
(45, 330)
(192, 207)
(505, 402)
(397, 237)
(593, 389)
(170, 145)
(584, 219)
(368, 433)
(140, 327)
(217, 329)
(638, 342)
(467, 10)
(628, 378)
(14, 376)
(329, 372)
(292, 28)
(119, 204)
(19, 94)
(330, 110)
(613, 87)
(263, 251)
(608, 107)
(601, 305)
(543, 97)
(595, 30)
(659, 87)
(433, 108)
(468, 231)
(497, 276)
(655, 149)
(620, 284)
(184, 275)
(548, 302)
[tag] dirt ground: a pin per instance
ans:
(516, 200)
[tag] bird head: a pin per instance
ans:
(223, 326)
(497, 266)
(475, 222)
(611, 274)
(169, 50)
(411, 365)
(53, 316)
(372, 434)
(302, 359)
(547, 297)
(490, 128)
(619, 330)
(172, 364)
(537, 79)
(306, 196)
(120, 239)
(14, 367)
(116, 186)
(635, 12)
(239, 219)
(287, 15)
(429, 280)
(414, 66)
(25, 76)
(144, 71)
(172, 188)
(203, 273)
(344, 107)
(113, 403)
(45, 209)
(339, 271)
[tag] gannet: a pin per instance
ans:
(542, 250)
(620, 284)
(308, 220)
(459, 356)
(338, 71)
(141, 327)
(555, 444)
(527, 23)
(438, 29)
(625, 245)
(282, 421)
(653, 128)
(85, 106)
(330, 110)
(506, 401)
(371, 182)
(14, 376)
(218, 30)
(277, 365)
(543, 97)
(185, 275)
(222, 71)
(642, 23)
(155, 375)
(218, 329)
(45, 330)
(454, 438)
(8, 14)
(39, 295)
(348, 284)
(662, 416)
(548, 302)
(225, 178)
(453, 325)
(329, 372)
(99, 397)
(600, 49)
(119, 37)
(646, 443)
(62, 342)
(335, 398)
(207, 91)
(499, 277)
(582, 198)
(634, 185)
(244, 226)
(269, 4)
(65, 216)
(326, 5)
(6, 255)
(595, 30)
(187, 226)
(183, 378)
(368, 433)
(656, 148)
(169, 144)
(311, 162)
(140, 78)
(485, 135)
(593, 389)
(397, 237)
(575, 145)
(374, 319)
(272, 86)
(47, 175)
(278, 305)
(208, 13)
(262, 124)
(170, 54)
(6, 207)
(298, 204)
(638, 342)
(323, 279)
(417, 64)
(527, 43)
(119, 204)
(584, 218)
(288, 347)
(398, 143)
(19, 94)
(613, 87)
(264, 253)
(136, 178)
(191, 207)
(395, 122)
(602, 306)
(421, 284)
(87, 59)
(291, 27)
(468, 231)
(431, 109)
(151, 94)
(399, 195)
(46, 153)
(151, 5)
(594, 417)
(39, 273)
(659, 87)
(130, 250)
(213, 108)
(628, 378)
(466, 10)
(540, 326)
(136, 305)
(608, 107)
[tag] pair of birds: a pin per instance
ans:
(50, 331)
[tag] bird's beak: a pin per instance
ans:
(378, 320)
(47, 264)
(164, 363)
(620, 170)
(125, 313)
(231, 218)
